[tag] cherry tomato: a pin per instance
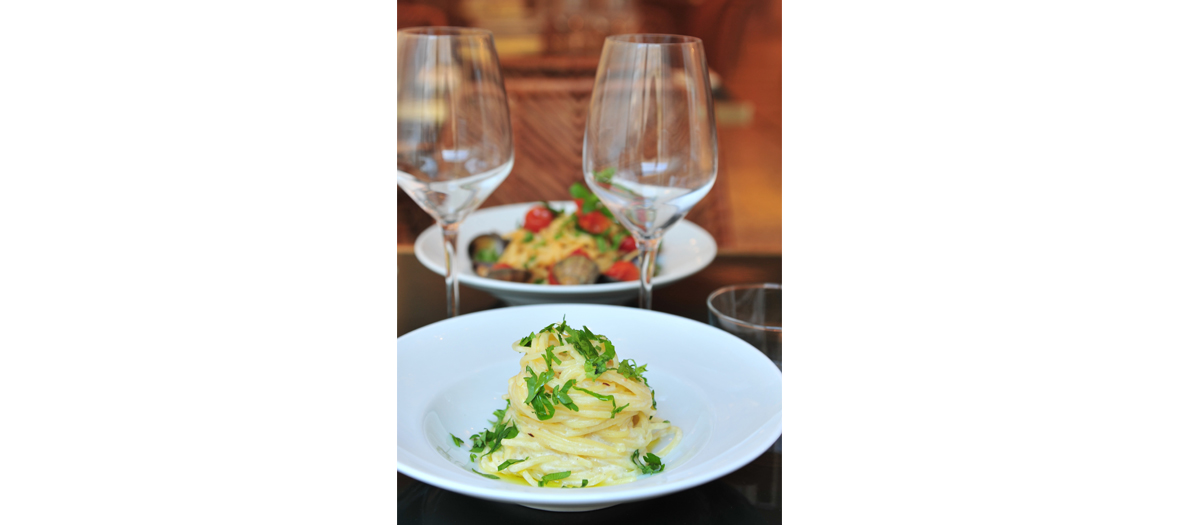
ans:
(578, 207)
(594, 222)
(537, 219)
(623, 271)
(498, 266)
(581, 252)
(627, 244)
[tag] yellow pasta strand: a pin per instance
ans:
(589, 443)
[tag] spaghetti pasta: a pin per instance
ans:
(538, 252)
(543, 248)
(577, 416)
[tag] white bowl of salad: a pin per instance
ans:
(561, 252)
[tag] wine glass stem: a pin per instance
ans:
(451, 244)
(647, 264)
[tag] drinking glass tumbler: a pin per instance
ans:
(754, 313)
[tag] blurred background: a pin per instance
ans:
(549, 53)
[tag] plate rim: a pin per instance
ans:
(732, 459)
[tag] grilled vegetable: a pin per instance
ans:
(575, 269)
(485, 250)
(504, 272)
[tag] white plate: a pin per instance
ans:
(687, 248)
(725, 396)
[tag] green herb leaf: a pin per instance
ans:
(556, 212)
(583, 341)
(604, 175)
(653, 461)
(487, 255)
(501, 430)
(500, 413)
(596, 395)
(650, 464)
(509, 463)
(471, 458)
(489, 476)
(550, 358)
(617, 410)
(562, 396)
(628, 370)
(601, 397)
(602, 247)
(553, 477)
(536, 383)
(528, 236)
(524, 341)
(585, 482)
(458, 442)
(543, 407)
(580, 191)
(502, 433)
(477, 442)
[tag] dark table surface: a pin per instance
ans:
(750, 495)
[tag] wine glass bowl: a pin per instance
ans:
(454, 137)
(650, 150)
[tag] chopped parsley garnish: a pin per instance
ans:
(649, 464)
(617, 410)
(528, 236)
(551, 209)
(605, 175)
(596, 363)
(487, 255)
(628, 370)
(471, 458)
(537, 397)
(489, 476)
(500, 413)
(585, 482)
(562, 395)
(552, 477)
(550, 358)
(524, 341)
(614, 409)
(458, 442)
(590, 201)
(536, 383)
(509, 463)
(556, 330)
(490, 439)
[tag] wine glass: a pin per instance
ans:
(650, 152)
(454, 139)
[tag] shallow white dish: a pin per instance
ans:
(725, 395)
(687, 249)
